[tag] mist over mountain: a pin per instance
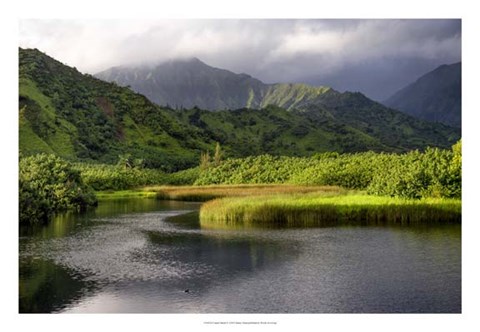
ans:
(378, 79)
(435, 96)
(187, 83)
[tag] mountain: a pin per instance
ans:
(82, 118)
(342, 122)
(79, 117)
(188, 83)
(436, 96)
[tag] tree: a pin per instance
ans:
(48, 184)
(217, 158)
(204, 160)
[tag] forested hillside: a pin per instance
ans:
(81, 118)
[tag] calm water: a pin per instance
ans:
(135, 256)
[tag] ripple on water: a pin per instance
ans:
(117, 249)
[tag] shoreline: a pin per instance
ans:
(294, 206)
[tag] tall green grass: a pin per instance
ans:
(323, 209)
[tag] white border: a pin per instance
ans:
(239, 9)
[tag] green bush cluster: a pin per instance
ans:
(48, 184)
(433, 173)
(353, 171)
(346, 170)
(254, 170)
(119, 177)
(183, 178)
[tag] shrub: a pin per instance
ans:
(434, 173)
(48, 184)
(116, 177)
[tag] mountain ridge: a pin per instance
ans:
(435, 96)
(187, 83)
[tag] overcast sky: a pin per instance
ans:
(376, 57)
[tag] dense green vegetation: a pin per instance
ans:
(325, 209)
(347, 122)
(48, 184)
(118, 177)
(433, 173)
(81, 118)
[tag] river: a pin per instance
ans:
(150, 256)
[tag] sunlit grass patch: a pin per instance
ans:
(324, 210)
(105, 195)
(206, 193)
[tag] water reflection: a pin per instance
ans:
(229, 254)
(45, 287)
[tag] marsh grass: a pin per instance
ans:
(114, 194)
(322, 209)
(207, 193)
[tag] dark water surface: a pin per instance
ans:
(130, 255)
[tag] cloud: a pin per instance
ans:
(272, 50)
(368, 40)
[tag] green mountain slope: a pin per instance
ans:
(276, 131)
(436, 96)
(80, 117)
(316, 128)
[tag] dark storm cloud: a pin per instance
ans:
(335, 52)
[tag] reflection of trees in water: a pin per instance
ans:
(69, 222)
(219, 256)
(45, 287)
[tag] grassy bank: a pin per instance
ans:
(323, 209)
(206, 193)
(110, 194)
